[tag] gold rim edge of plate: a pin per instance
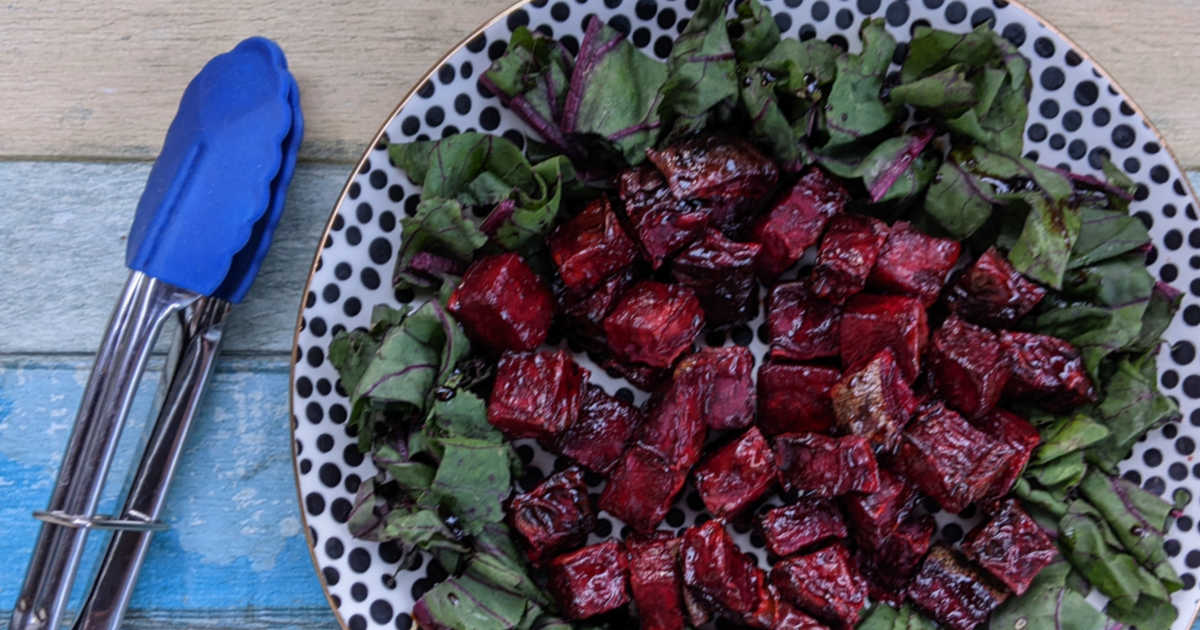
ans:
(429, 75)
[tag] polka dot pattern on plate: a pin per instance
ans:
(1076, 117)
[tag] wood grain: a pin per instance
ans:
(101, 80)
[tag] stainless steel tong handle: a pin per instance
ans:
(145, 304)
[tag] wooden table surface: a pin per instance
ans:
(87, 90)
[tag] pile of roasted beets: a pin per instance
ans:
(858, 412)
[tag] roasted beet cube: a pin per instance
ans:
(721, 272)
(655, 581)
(736, 475)
(897, 557)
(1011, 546)
(654, 323)
(794, 528)
(590, 581)
(848, 252)
(644, 377)
(1018, 436)
(823, 466)
(584, 311)
(727, 171)
(674, 427)
(948, 459)
(1046, 370)
(826, 583)
(662, 223)
(914, 264)
(802, 326)
(876, 515)
(726, 381)
(788, 617)
(555, 516)
(718, 574)
(795, 398)
(503, 304)
(536, 395)
(992, 293)
(605, 426)
(952, 592)
(874, 402)
(591, 246)
(698, 612)
(968, 366)
(641, 489)
(796, 221)
(871, 323)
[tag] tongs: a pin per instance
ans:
(201, 230)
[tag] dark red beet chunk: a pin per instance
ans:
(895, 559)
(726, 385)
(802, 326)
(503, 304)
(661, 223)
(874, 402)
(590, 581)
(674, 427)
(721, 272)
(1011, 546)
(968, 366)
(788, 617)
(585, 311)
(697, 611)
(641, 489)
(591, 246)
(718, 574)
(952, 592)
(555, 516)
(536, 395)
(825, 583)
(1047, 370)
(875, 516)
(728, 171)
(914, 264)
(794, 528)
(1019, 436)
(871, 323)
(654, 323)
(823, 466)
(795, 398)
(604, 427)
(848, 252)
(643, 376)
(656, 582)
(796, 221)
(992, 293)
(737, 475)
(948, 459)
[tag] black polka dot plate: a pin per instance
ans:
(1077, 116)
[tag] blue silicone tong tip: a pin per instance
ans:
(217, 189)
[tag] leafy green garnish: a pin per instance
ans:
(1049, 604)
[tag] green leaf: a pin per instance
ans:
(801, 68)
(447, 168)
(1065, 436)
(1132, 405)
(463, 415)
(1049, 604)
(767, 121)
(1044, 246)
(1164, 303)
(437, 224)
(467, 603)
(759, 34)
(497, 560)
(1104, 234)
(533, 216)
(884, 617)
(934, 50)
(1062, 472)
(410, 359)
(531, 79)
(1137, 518)
(899, 168)
(700, 71)
(855, 109)
(473, 480)
(948, 91)
(422, 529)
(350, 353)
(959, 201)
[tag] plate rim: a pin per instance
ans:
(428, 75)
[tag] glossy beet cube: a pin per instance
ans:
(823, 466)
(503, 304)
(605, 425)
(872, 323)
(948, 459)
(796, 221)
(591, 246)
(726, 385)
(1046, 370)
(644, 377)
(590, 581)
(674, 428)
(536, 395)
(874, 402)
(848, 252)
(788, 617)
(952, 592)
(654, 323)
(555, 516)
(661, 223)
(992, 293)
(793, 528)
(876, 515)
(718, 574)
(721, 272)
(1020, 439)
(896, 558)
(641, 489)
(914, 264)
(968, 366)
(1011, 546)
(801, 325)
(826, 583)
(736, 475)
(584, 311)
(656, 581)
(730, 172)
(697, 610)
(795, 398)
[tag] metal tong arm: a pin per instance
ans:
(199, 338)
(145, 304)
